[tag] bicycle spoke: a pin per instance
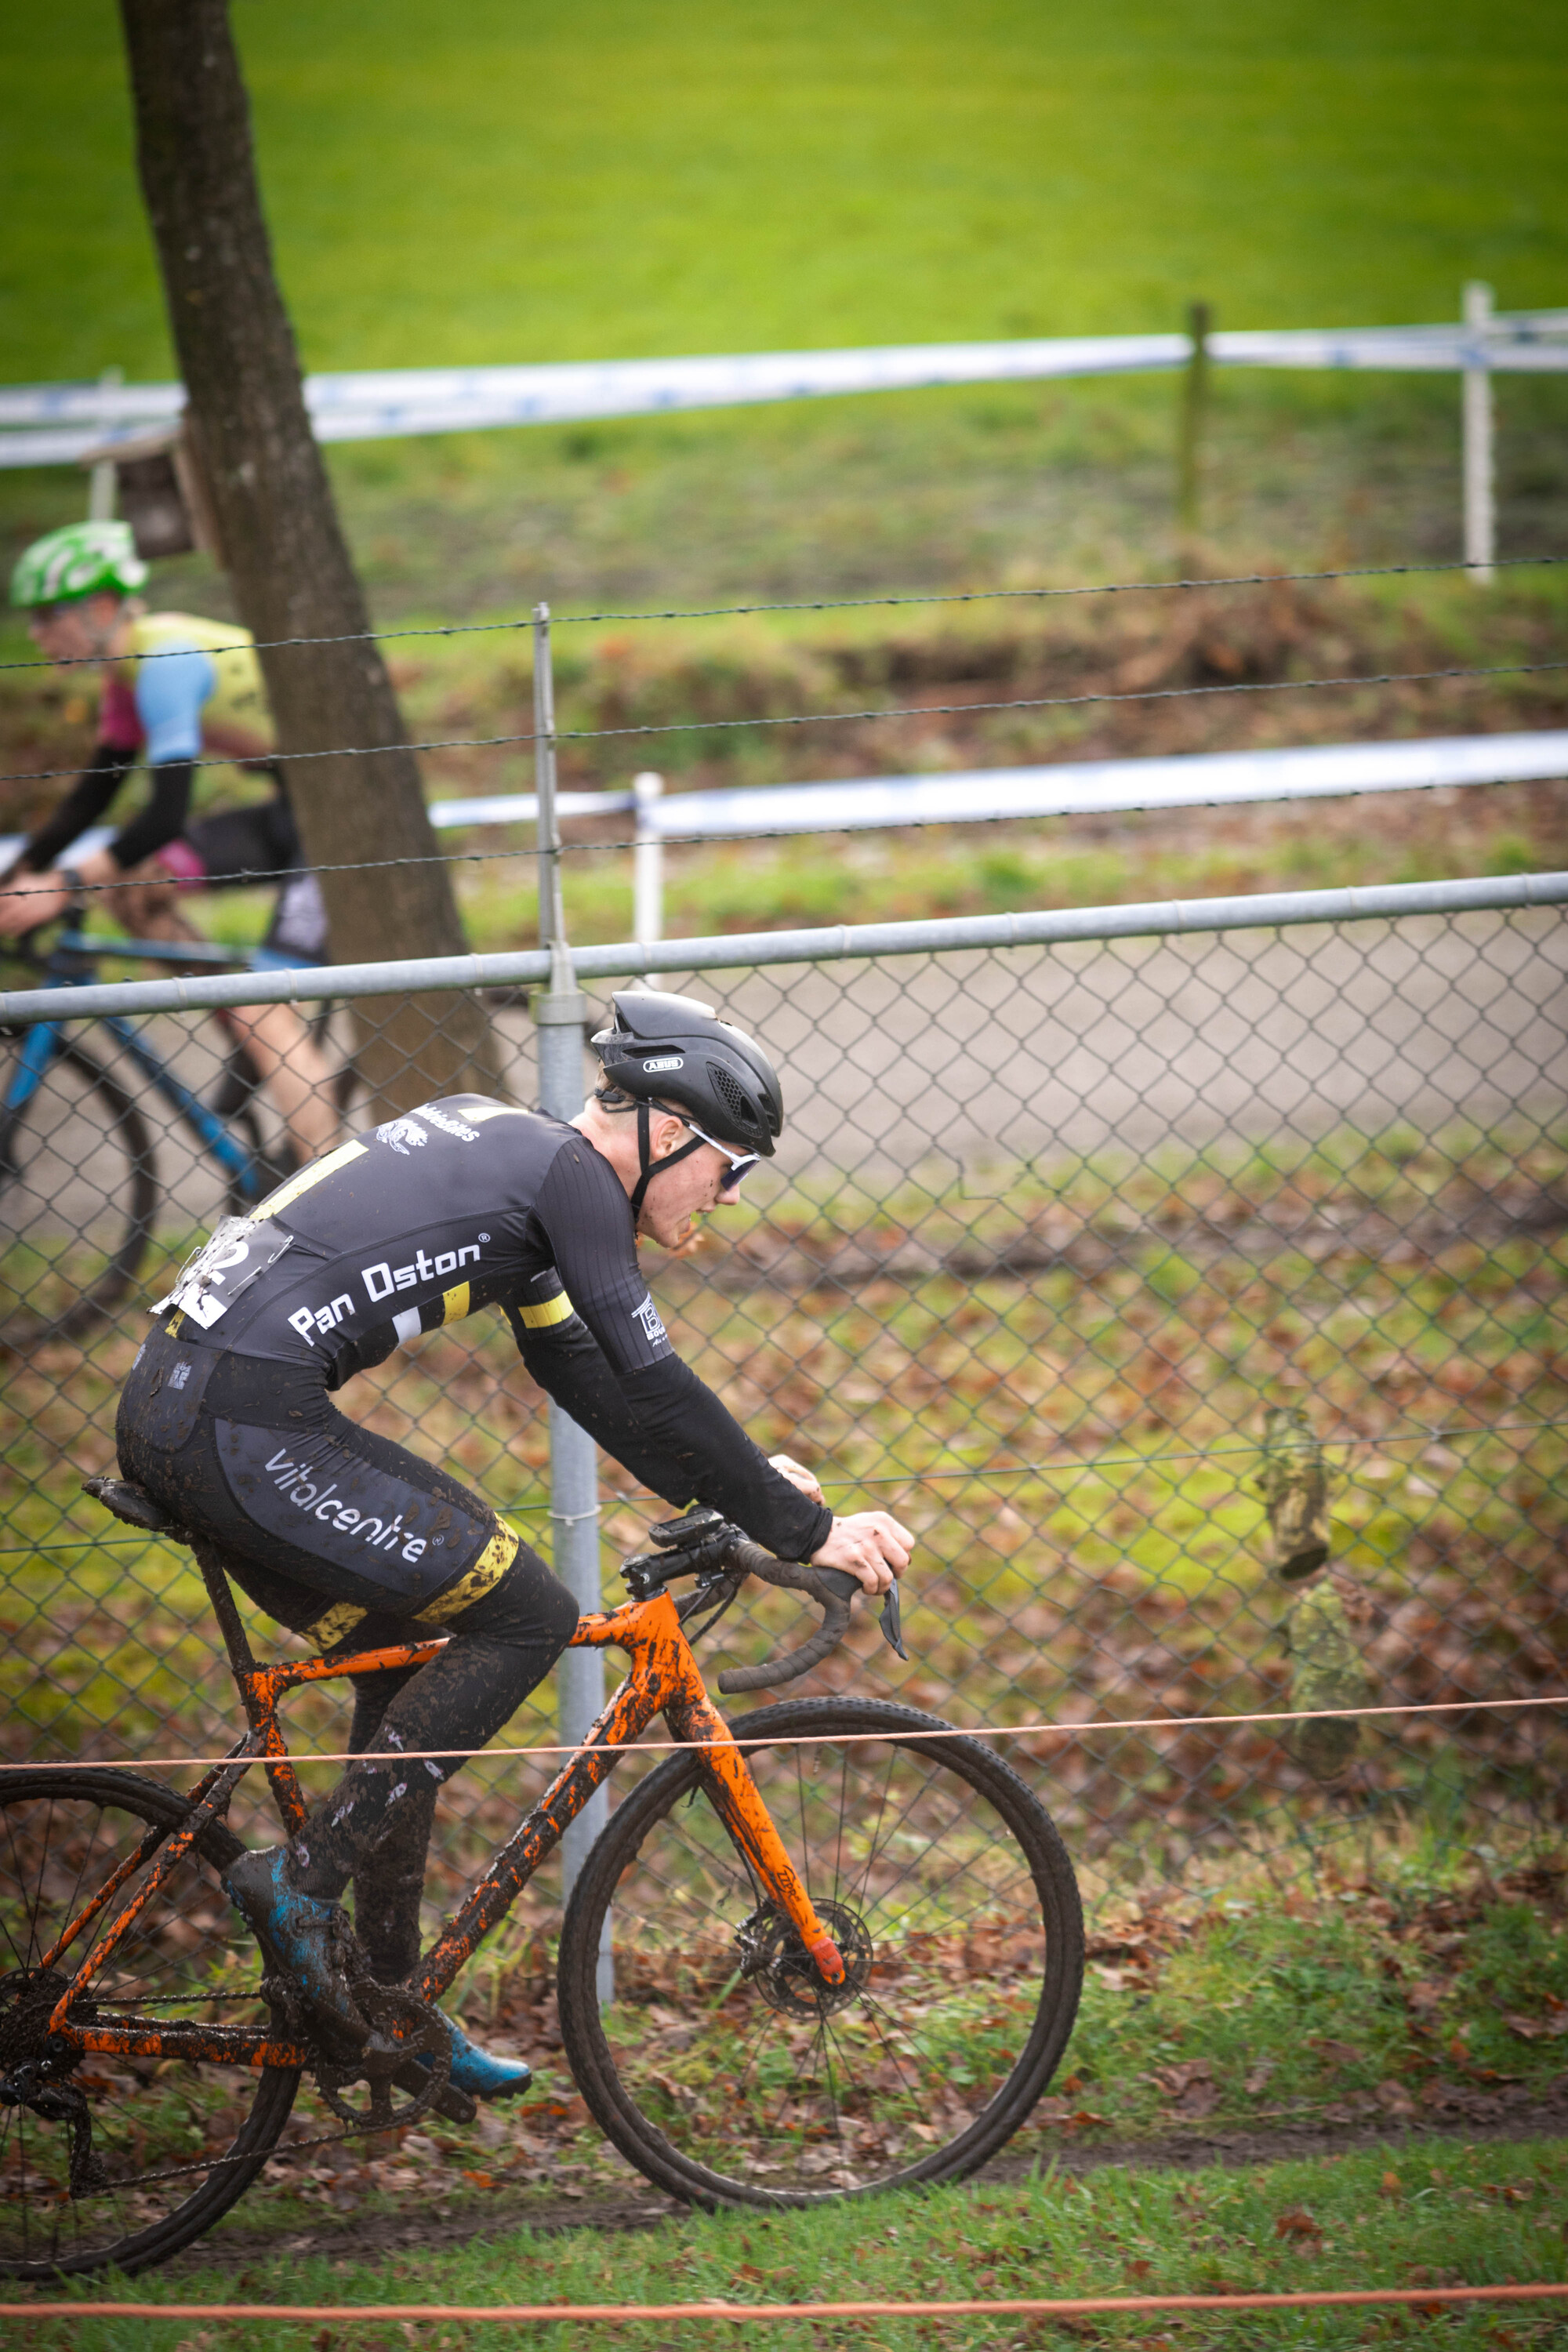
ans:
(123, 2150)
(765, 2077)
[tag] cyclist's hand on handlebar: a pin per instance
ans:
(798, 1475)
(871, 1545)
(30, 899)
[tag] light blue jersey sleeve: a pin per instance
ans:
(172, 690)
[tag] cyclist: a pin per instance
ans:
(226, 1420)
(202, 695)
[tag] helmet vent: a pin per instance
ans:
(735, 1099)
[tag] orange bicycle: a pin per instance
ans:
(872, 1935)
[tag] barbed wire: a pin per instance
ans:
(736, 1731)
(1089, 1467)
(839, 604)
(847, 718)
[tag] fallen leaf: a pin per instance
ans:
(1338, 2054)
(1259, 2076)
(1296, 2223)
(1390, 2185)
(1538, 2029)
(1395, 2098)
(1197, 2099)
(1179, 2077)
(1139, 2269)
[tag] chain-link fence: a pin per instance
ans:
(1053, 1230)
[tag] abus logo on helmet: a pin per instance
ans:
(667, 1062)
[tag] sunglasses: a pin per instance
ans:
(740, 1162)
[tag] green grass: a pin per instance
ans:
(508, 185)
(1379, 2217)
(503, 185)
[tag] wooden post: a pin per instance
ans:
(1193, 416)
(101, 492)
(1481, 501)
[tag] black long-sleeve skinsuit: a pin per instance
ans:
(226, 1420)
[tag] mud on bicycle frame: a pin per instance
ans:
(870, 1939)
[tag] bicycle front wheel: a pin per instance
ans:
(77, 1192)
(723, 2067)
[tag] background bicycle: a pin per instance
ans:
(79, 1189)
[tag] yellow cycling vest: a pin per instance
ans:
(239, 698)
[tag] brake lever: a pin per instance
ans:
(849, 1588)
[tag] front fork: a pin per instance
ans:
(665, 1680)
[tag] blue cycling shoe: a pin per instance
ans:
(481, 2074)
(308, 1941)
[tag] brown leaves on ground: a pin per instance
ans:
(1297, 2224)
(1550, 2028)
(1190, 2086)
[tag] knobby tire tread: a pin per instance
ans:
(587, 2052)
(97, 1302)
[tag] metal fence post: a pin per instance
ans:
(101, 484)
(1480, 503)
(573, 1466)
(647, 860)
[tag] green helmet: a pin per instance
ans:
(79, 561)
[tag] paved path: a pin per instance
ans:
(978, 1061)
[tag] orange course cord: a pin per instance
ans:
(1022, 2307)
(802, 1740)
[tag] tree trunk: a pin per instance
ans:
(290, 567)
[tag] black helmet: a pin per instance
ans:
(675, 1049)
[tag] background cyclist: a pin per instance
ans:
(202, 697)
(227, 1420)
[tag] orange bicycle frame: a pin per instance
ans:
(664, 1680)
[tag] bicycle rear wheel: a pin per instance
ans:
(724, 2068)
(77, 1192)
(116, 2160)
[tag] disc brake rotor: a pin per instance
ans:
(772, 1957)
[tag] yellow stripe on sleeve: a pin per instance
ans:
(558, 1309)
(293, 1186)
(455, 1303)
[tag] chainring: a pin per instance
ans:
(772, 1957)
(403, 2030)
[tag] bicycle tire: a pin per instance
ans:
(30, 1188)
(234, 1100)
(710, 2138)
(51, 1818)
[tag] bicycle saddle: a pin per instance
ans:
(133, 1504)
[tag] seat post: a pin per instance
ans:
(222, 1598)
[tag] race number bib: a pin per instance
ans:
(228, 1262)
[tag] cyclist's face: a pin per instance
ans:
(680, 1195)
(78, 631)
